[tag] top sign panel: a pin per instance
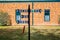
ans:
(34, 0)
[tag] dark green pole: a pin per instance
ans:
(32, 14)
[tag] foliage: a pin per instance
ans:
(4, 19)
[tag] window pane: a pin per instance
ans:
(46, 17)
(47, 12)
(18, 15)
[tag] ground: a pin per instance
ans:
(36, 33)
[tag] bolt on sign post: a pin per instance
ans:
(28, 22)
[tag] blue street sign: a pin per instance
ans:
(33, 10)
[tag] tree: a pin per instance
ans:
(4, 19)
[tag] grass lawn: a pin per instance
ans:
(8, 33)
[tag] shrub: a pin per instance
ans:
(4, 19)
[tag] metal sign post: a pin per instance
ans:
(28, 22)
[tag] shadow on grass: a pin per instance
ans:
(16, 34)
(38, 36)
(12, 34)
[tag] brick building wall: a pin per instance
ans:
(38, 18)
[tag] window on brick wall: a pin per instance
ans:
(47, 15)
(19, 17)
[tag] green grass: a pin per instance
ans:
(12, 34)
(36, 34)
